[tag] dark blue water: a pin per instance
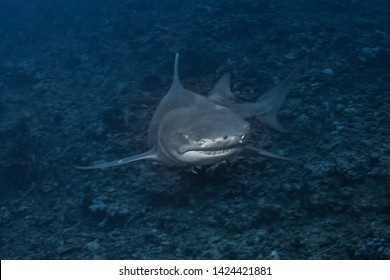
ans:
(80, 80)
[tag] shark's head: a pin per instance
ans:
(202, 136)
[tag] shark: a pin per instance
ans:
(189, 129)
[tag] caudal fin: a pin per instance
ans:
(271, 101)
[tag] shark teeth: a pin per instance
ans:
(216, 152)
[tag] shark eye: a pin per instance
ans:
(185, 136)
(202, 142)
(242, 137)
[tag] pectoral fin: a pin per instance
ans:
(150, 155)
(254, 152)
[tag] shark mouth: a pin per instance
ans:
(206, 157)
(214, 152)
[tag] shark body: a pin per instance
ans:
(188, 129)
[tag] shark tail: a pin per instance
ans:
(271, 101)
(150, 155)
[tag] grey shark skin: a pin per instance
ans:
(188, 129)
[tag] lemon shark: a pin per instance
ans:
(189, 129)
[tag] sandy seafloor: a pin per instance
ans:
(79, 82)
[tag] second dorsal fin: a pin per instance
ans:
(221, 92)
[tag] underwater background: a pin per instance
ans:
(80, 80)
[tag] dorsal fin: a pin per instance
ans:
(176, 79)
(221, 92)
